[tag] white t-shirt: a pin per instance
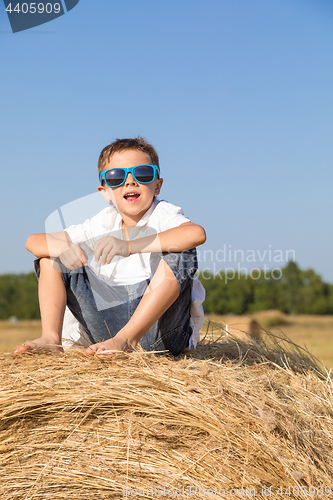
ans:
(161, 216)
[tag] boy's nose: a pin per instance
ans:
(130, 179)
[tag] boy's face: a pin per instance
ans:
(131, 208)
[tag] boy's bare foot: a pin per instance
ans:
(110, 346)
(47, 343)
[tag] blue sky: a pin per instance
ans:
(236, 96)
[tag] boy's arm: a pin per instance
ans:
(48, 244)
(56, 245)
(177, 239)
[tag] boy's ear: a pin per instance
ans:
(158, 186)
(105, 192)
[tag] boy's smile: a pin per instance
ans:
(132, 198)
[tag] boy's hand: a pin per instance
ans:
(109, 246)
(73, 257)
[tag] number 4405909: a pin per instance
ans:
(311, 491)
(34, 7)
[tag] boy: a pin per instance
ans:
(138, 286)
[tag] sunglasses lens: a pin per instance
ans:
(144, 174)
(114, 177)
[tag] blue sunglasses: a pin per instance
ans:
(143, 174)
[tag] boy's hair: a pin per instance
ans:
(118, 145)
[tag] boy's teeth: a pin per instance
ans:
(132, 195)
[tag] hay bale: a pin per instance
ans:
(254, 330)
(272, 318)
(232, 414)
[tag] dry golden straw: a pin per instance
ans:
(233, 414)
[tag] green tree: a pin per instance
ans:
(295, 292)
(18, 296)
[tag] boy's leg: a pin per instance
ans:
(52, 303)
(172, 277)
(160, 294)
(102, 310)
(172, 331)
(161, 318)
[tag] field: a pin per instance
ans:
(13, 334)
(314, 332)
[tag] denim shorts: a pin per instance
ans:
(102, 310)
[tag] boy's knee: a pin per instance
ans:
(44, 261)
(183, 265)
(48, 264)
(165, 275)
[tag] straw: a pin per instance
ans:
(232, 414)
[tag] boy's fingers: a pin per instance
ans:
(107, 249)
(98, 248)
(110, 256)
(95, 247)
(70, 262)
(104, 254)
(97, 252)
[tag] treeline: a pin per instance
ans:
(290, 290)
(18, 296)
